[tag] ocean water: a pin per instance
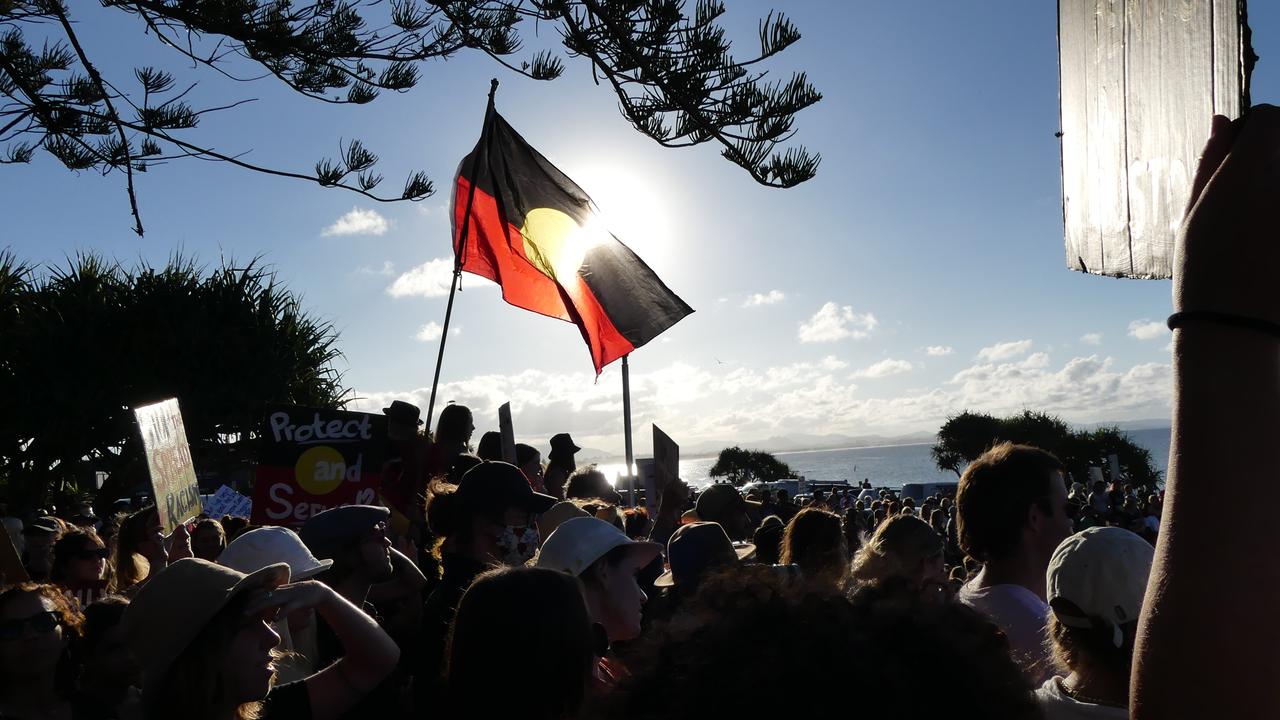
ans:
(887, 466)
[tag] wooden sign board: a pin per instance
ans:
(666, 468)
(1139, 84)
(173, 476)
(508, 432)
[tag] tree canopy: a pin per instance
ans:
(963, 437)
(672, 70)
(740, 466)
(85, 343)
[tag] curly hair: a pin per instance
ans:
(892, 654)
(69, 618)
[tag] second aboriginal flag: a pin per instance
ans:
(525, 225)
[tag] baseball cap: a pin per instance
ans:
(327, 533)
(697, 547)
(719, 500)
(492, 485)
(580, 541)
(266, 546)
(1099, 575)
(174, 606)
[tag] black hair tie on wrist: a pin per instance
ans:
(1194, 317)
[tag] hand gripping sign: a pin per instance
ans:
(314, 459)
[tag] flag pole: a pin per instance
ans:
(458, 252)
(626, 417)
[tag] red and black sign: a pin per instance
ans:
(313, 460)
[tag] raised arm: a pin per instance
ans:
(1208, 637)
(369, 654)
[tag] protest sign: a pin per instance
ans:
(11, 570)
(508, 432)
(1139, 81)
(314, 459)
(666, 468)
(173, 477)
(227, 502)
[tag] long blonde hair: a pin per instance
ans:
(896, 549)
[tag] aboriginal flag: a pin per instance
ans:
(525, 225)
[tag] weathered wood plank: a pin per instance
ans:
(1139, 82)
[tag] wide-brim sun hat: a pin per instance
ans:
(270, 545)
(697, 547)
(559, 513)
(578, 542)
(174, 606)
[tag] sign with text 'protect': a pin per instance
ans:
(313, 460)
(173, 476)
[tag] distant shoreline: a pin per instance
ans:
(843, 448)
(620, 461)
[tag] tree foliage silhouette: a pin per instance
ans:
(87, 342)
(740, 466)
(965, 436)
(672, 70)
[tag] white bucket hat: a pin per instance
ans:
(269, 545)
(578, 542)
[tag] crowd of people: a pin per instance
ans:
(556, 601)
(495, 589)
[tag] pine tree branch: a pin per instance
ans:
(111, 110)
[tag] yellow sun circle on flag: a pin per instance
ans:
(555, 243)
(320, 470)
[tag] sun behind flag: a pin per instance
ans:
(525, 225)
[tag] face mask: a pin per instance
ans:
(517, 544)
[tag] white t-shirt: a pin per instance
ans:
(1023, 617)
(1058, 705)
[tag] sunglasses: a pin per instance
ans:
(42, 623)
(95, 554)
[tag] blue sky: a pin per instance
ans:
(919, 274)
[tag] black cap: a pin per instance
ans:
(44, 525)
(327, 533)
(401, 411)
(496, 486)
(562, 444)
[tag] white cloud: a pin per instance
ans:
(834, 322)
(939, 350)
(1145, 329)
(358, 222)
(430, 279)
(1004, 350)
(770, 298)
(884, 368)
(721, 405)
(432, 332)
(388, 268)
(1091, 338)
